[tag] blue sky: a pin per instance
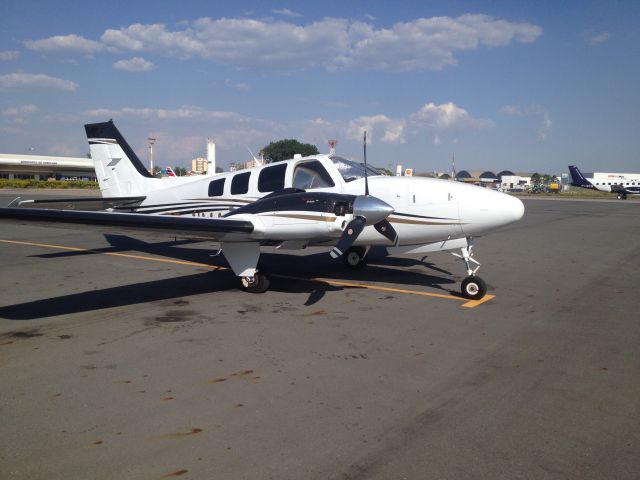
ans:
(528, 86)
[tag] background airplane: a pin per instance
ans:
(620, 184)
(320, 200)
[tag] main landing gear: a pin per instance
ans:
(622, 196)
(472, 287)
(259, 283)
(355, 257)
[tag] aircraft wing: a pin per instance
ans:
(110, 222)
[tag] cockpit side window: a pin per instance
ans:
(310, 175)
(351, 170)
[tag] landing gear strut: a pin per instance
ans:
(355, 257)
(472, 287)
(622, 196)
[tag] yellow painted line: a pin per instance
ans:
(115, 254)
(340, 283)
(475, 303)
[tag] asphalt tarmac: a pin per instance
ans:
(140, 359)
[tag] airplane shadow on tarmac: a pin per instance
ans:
(281, 266)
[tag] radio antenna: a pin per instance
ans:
(366, 180)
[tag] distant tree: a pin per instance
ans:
(180, 171)
(285, 149)
(536, 178)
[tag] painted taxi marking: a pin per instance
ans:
(466, 302)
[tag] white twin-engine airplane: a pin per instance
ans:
(319, 200)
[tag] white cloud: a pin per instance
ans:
(135, 64)
(600, 38)
(285, 12)
(184, 112)
(18, 111)
(511, 110)
(446, 118)
(547, 125)
(65, 43)
(30, 80)
(545, 128)
(429, 43)
(9, 55)
(240, 86)
(182, 131)
(331, 43)
(392, 129)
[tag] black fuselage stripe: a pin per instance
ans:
(420, 216)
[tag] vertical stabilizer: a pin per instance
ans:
(579, 180)
(119, 171)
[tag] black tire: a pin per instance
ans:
(473, 288)
(354, 257)
(260, 283)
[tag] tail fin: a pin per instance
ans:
(577, 179)
(119, 170)
(170, 172)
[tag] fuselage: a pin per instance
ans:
(425, 209)
(616, 182)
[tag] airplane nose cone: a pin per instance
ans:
(515, 208)
(483, 210)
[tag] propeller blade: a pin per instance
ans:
(385, 228)
(349, 235)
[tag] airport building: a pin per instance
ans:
(199, 165)
(42, 167)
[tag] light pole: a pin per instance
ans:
(151, 142)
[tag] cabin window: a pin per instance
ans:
(240, 183)
(272, 178)
(310, 175)
(216, 188)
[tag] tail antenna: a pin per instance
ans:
(366, 180)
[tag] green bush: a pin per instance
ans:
(6, 183)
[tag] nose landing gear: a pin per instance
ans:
(472, 287)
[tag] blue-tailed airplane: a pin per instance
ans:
(622, 184)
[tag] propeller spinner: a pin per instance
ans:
(367, 210)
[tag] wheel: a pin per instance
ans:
(473, 288)
(619, 196)
(259, 283)
(354, 257)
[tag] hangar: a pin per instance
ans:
(42, 167)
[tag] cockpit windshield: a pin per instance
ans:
(351, 170)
